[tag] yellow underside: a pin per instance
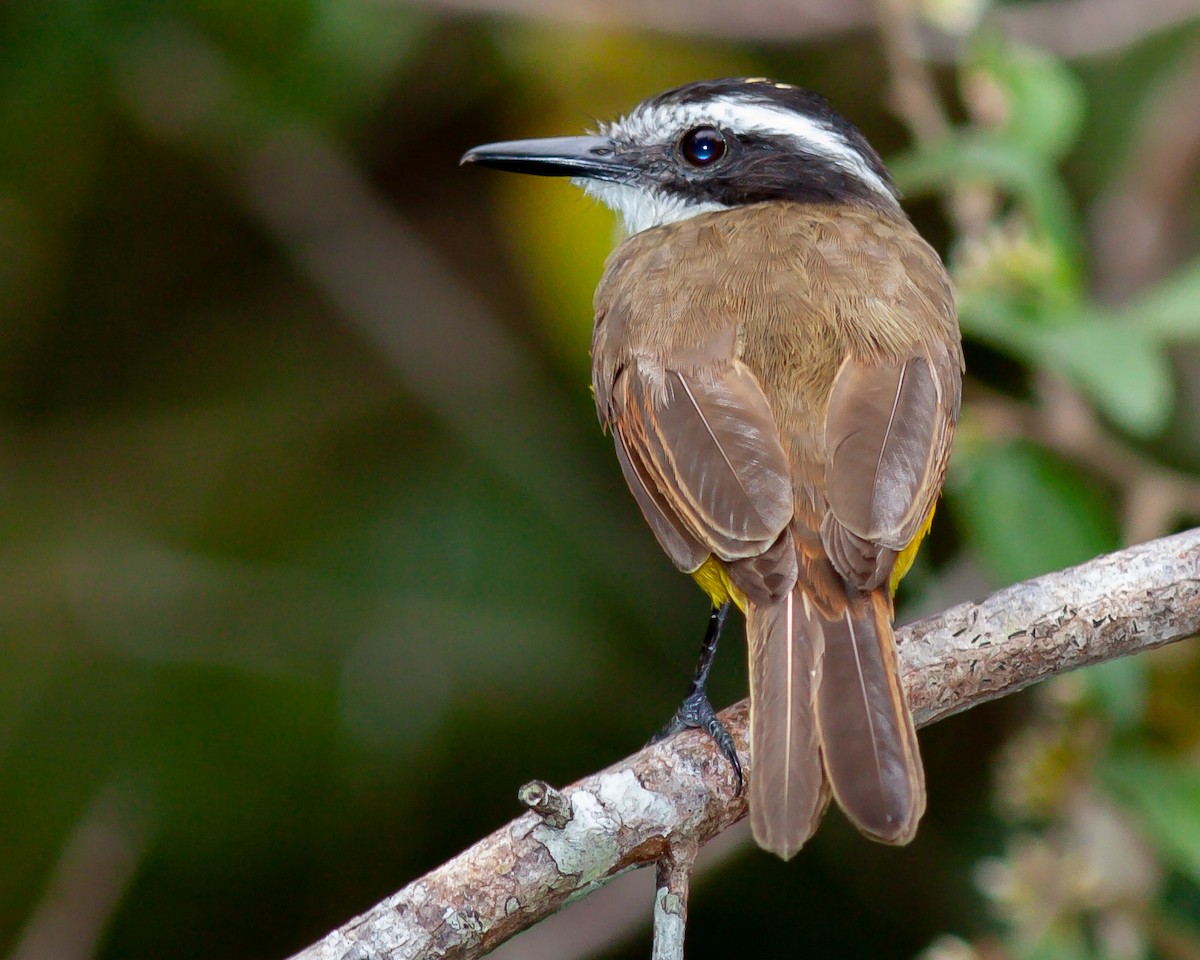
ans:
(715, 581)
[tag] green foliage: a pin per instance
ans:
(1045, 103)
(1120, 691)
(1056, 944)
(1028, 297)
(1026, 513)
(1165, 797)
(1103, 808)
(1171, 310)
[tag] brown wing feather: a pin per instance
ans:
(685, 551)
(887, 430)
(709, 446)
(879, 433)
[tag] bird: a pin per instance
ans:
(777, 356)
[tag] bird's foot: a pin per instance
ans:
(697, 712)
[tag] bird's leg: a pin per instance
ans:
(696, 711)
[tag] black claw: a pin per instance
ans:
(696, 711)
(716, 729)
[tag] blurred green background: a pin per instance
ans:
(312, 551)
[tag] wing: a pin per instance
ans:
(701, 453)
(887, 435)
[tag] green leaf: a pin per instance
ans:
(994, 320)
(1172, 309)
(1025, 513)
(1118, 688)
(1118, 365)
(1046, 101)
(1013, 168)
(1165, 796)
(1059, 942)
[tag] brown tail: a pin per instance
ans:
(868, 740)
(788, 793)
(826, 702)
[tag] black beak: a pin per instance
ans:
(590, 157)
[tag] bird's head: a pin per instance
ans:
(707, 146)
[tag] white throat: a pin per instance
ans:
(641, 209)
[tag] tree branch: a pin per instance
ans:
(677, 795)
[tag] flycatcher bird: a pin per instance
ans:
(777, 356)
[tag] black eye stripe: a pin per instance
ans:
(702, 146)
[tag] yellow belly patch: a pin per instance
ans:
(715, 582)
(904, 560)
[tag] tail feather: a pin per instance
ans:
(788, 793)
(868, 739)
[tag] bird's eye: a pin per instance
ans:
(702, 146)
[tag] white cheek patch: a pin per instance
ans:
(640, 208)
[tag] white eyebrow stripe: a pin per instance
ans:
(747, 116)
